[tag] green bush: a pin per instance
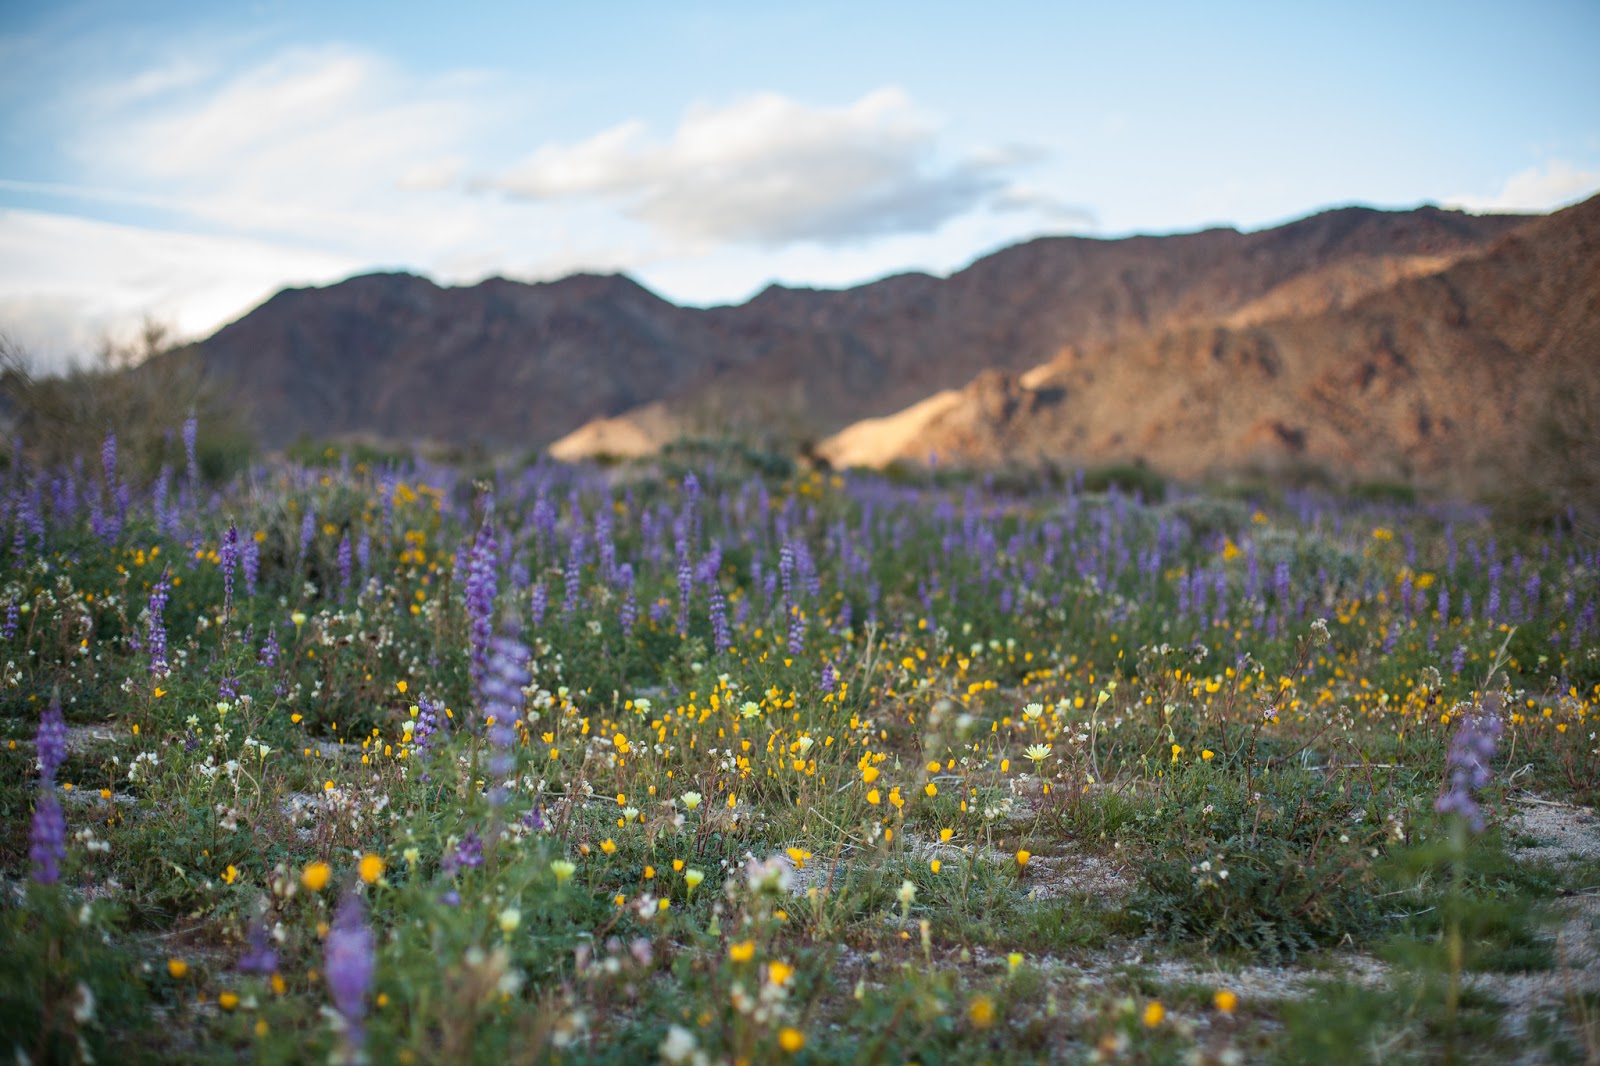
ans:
(1273, 873)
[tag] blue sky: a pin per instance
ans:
(186, 160)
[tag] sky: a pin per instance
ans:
(185, 161)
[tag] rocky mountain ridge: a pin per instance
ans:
(510, 365)
(1464, 376)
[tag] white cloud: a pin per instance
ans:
(66, 282)
(1047, 206)
(771, 171)
(1556, 183)
(327, 144)
(432, 176)
(236, 178)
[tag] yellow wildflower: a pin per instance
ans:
(315, 876)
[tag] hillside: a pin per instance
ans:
(508, 364)
(1455, 377)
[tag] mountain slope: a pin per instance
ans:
(1445, 378)
(515, 365)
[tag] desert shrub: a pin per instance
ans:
(1209, 516)
(1557, 475)
(309, 452)
(86, 1001)
(1385, 492)
(733, 457)
(1273, 873)
(1312, 558)
(143, 393)
(1134, 478)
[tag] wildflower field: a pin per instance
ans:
(717, 761)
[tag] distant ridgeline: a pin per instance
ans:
(1424, 346)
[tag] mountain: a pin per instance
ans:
(397, 357)
(513, 365)
(1460, 377)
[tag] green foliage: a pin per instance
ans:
(1273, 872)
(67, 993)
(1131, 478)
(1381, 492)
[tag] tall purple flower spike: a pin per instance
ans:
(1467, 764)
(348, 963)
(47, 837)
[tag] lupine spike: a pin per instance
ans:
(349, 965)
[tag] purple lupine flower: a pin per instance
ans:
(468, 855)
(50, 743)
(108, 458)
(659, 611)
(604, 546)
(544, 517)
(19, 532)
(786, 572)
(691, 507)
(721, 640)
(364, 551)
(268, 656)
(1458, 660)
(250, 563)
(828, 680)
(479, 596)
(308, 530)
(797, 631)
(156, 634)
(98, 524)
(191, 429)
(229, 556)
(685, 579)
(540, 602)
(806, 568)
(428, 723)
(1467, 763)
(260, 957)
(710, 565)
(47, 838)
(13, 616)
(500, 697)
(386, 490)
(573, 576)
(344, 562)
(348, 966)
(628, 612)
